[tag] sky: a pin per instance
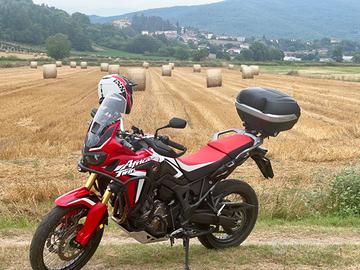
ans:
(116, 7)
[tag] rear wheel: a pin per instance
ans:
(53, 245)
(233, 191)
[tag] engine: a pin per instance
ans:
(157, 219)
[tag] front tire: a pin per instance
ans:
(45, 241)
(228, 189)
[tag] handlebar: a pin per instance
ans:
(166, 140)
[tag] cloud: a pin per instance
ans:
(116, 7)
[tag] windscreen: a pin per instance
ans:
(110, 110)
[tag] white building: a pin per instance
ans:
(348, 59)
(292, 59)
(168, 34)
(145, 33)
(121, 23)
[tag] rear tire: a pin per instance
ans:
(46, 228)
(243, 189)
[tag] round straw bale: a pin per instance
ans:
(114, 69)
(33, 64)
(73, 64)
(166, 70)
(172, 65)
(231, 66)
(49, 71)
(197, 68)
(146, 65)
(214, 78)
(255, 70)
(138, 76)
(58, 64)
(83, 65)
(241, 67)
(104, 67)
(247, 73)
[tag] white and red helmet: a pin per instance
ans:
(111, 84)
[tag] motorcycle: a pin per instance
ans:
(146, 185)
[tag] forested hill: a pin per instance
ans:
(24, 22)
(306, 19)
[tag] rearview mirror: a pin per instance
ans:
(177, 123)
(93, 112)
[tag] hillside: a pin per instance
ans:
(305, 19)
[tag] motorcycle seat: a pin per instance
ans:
(215, 154)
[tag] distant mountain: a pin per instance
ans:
(307, 19)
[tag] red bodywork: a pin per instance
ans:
(126, 160)
(81, 196)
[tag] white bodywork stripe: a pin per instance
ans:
(83, 199)
(190, 168)
(139, 189)
(98, 148)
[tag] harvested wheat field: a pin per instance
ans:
(43, 124)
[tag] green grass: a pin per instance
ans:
(137, 256)
(339, 69)
(324, 221)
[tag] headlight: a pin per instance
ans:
(95, 158)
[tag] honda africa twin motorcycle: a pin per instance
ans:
(154, 193)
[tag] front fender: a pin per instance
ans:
(76, 197)
(96, 216)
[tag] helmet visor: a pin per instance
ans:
(110, 110)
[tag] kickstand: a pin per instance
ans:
(186, 244)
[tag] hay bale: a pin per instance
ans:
(114, 69)
(247, 73)
(146, 65)
(33, 64)
(255, 70)
(214, 78)
(104, 67)
(72, 64)
(166, 70)
(49, 71)
(83, 65)
(58, 64)
(172, 65)
(231, 67)
(138, 76)
(197, 68)
(241, 67)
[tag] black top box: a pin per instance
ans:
(267, 111)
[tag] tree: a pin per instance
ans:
(182, 54)
(260, 51)
(58, 46)
(199, 55)
(142, 43)
(245, 55)
(356, 58)
(276, 54)
(337, 54)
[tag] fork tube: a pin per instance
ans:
(90, 181)
(106, 196)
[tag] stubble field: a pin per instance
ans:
(43, 124)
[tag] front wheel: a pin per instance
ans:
(53, 246)
(233, 191)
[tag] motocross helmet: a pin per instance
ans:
(111, 84)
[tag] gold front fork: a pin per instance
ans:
(91, 180)
(89, 184)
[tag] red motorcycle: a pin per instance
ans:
(154, 192)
